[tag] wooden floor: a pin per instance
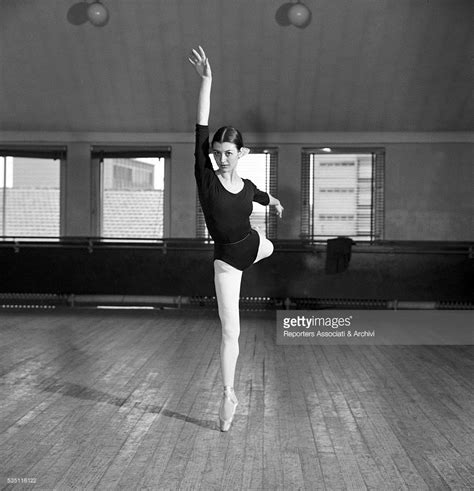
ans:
(128, 400)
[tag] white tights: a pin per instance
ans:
(227, 280)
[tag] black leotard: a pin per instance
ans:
(226, 213)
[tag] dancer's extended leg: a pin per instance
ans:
(265, 247)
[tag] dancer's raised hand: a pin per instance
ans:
(199, 59)
(200, 62)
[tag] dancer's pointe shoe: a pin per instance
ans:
(227, 410)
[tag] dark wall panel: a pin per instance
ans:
(148, 271)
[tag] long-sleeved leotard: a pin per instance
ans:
(226, 213)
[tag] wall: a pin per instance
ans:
(428, 191)
(428, 185)
(186, 270)
(78, 213)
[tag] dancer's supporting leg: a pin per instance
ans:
(227, 281)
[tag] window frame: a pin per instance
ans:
(98, 154)
(377, 214)
(43, 151)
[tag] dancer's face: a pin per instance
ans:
(226, 155)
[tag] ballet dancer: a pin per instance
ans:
(226, 201)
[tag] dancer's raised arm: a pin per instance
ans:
(199, 59)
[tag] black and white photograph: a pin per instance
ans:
(237, 245)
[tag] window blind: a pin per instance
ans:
(342, 193)
(129, 152)
(38, 152)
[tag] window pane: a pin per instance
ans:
(256, 167)
(132, 197)
(29, 196)
(341, 195)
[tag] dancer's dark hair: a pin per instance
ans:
(228, 134)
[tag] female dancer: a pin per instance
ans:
(226, 201)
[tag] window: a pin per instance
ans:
(30, 191)
(132, 204)
(342, 193)
(260, 166)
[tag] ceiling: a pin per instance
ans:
(361, 65)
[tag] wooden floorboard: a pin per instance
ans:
(94, 399)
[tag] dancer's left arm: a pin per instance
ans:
(266, 199)
(276, 203)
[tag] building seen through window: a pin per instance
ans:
(132, 197)
(29, 196)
